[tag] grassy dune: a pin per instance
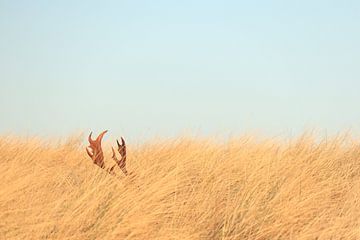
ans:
(184, 188)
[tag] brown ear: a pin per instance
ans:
(111, 170)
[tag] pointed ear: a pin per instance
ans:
(100, 137)
(119, 145)
(112, 169)
(89, 153)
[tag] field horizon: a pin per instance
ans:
(246, 187)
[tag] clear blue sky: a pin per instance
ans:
(159, 68)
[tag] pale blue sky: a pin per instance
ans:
(159, 68)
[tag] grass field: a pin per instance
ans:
(185, 188)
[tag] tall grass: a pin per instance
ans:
(184, 188)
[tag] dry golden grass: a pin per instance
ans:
(183, 189)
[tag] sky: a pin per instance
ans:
(144, 69)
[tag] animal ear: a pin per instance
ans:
(100, 137)
(111, 170)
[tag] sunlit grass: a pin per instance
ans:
(184, 188)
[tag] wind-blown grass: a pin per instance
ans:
(183, 189)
